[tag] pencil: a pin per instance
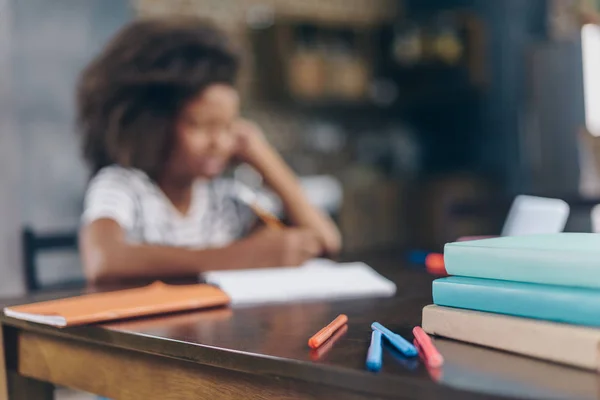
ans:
(249, 197)
(266, 217)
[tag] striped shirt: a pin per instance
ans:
(140, 207)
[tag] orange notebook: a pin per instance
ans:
(157, 298)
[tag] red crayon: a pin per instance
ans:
(431, 355)
(434, 262)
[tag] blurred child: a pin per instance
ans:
(159, 114)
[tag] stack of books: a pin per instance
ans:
(536, 295)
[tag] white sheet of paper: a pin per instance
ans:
(317, 279)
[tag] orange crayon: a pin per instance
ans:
(317, 354)
(321, 337)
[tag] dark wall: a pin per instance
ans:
(513, 132)
(513, 27)
(45, 45)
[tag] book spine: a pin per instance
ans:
(564, 344)
(577, 269)
(569, 305)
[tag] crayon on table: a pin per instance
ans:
(317, 354)
(375, 352)
(436, 374)
(403, 345)
(417, 256)
(431, 355)
(434, 263)
(321, 337)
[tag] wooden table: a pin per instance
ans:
(260, 352)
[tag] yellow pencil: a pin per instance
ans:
(249, 197)
(268, 218)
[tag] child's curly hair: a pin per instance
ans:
(129, 97)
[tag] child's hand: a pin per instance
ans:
(251, 143)
(285, 247)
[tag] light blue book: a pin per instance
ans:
(566, 259)
(571, 305)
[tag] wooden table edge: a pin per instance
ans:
(251, 363)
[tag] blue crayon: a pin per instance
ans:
(375, 353)
(403, 345)
(417, 256)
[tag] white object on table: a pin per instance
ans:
(317, 279)
(596, 219)
(535, 215)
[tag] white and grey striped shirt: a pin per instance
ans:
(139, 206)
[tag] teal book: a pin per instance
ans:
(580, 306)
(566, 259)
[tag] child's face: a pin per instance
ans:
(204, 141)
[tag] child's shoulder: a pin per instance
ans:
(117, 176)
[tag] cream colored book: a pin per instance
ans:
(566, 344)
(497, 372)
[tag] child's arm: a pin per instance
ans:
(266, 160)
(107, 256)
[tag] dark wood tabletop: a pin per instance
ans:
(270, 341)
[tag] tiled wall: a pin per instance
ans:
(52, 41)
(10, 279)
(43, 46)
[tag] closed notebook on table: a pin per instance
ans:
(565, 259)
(562, 343)
(571, 305)
(157, 298)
